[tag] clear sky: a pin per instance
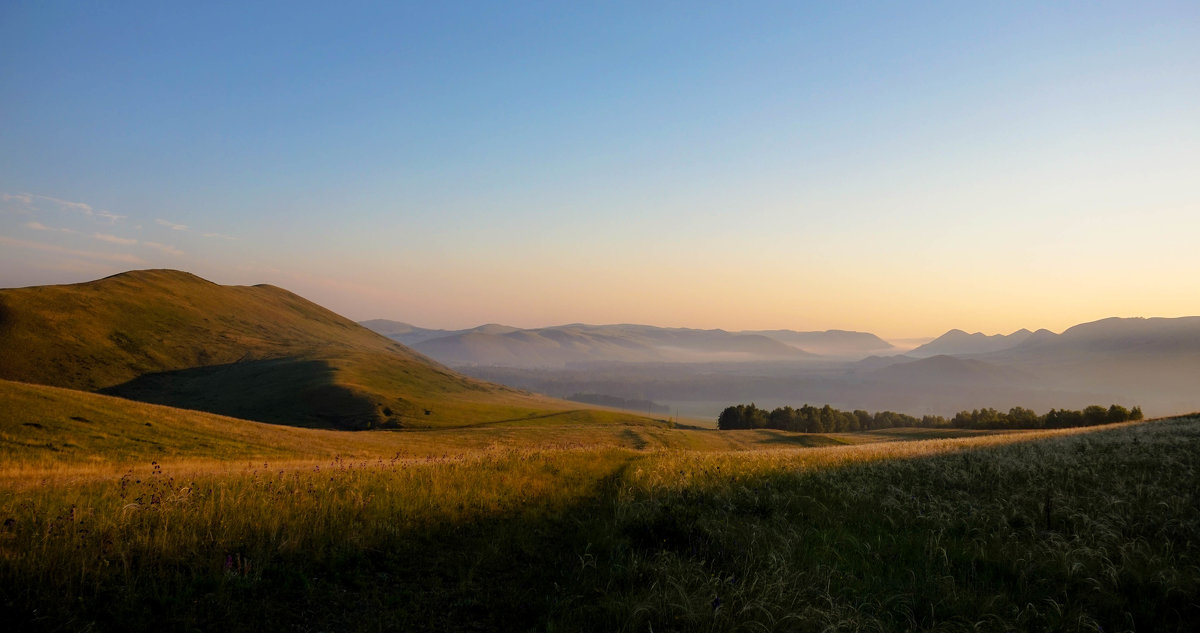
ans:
(900, 168)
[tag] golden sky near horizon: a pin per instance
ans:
(901, 169)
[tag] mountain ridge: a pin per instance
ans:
(494, 344)
(958, 342)
(560, 345)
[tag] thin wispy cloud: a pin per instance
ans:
(81, 207)
(30, 200)
(23, 198)
(16, 204)
(38, 226)
(33, 203)
(124, 258)
(111, 217)
(163, 248)
(113, 239)
(171, 225)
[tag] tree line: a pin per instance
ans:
(826, 419)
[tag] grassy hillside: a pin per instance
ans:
(256, 352)
(53, 430)
(1080, 530)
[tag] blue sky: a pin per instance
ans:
(901, 168)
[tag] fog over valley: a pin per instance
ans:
(696, 373)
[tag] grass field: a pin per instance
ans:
(591, 524)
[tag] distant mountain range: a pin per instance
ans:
(958, 342)
(263, 353)
(1153, 362)
(1107, 336)
(404, 333)
(1138, 336)
(564, 345)
(831, 343)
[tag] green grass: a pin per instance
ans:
(50, 431)
(1092, 529)
(50, 427)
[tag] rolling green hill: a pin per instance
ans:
(46, 429)
(255, 352)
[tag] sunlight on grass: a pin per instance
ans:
(1053, 530)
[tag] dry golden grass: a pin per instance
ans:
(51, 433)
(730, 533)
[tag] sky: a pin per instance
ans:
(898, 168)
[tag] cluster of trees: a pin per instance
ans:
(810, 419)
(826, 419)
(1022, 418)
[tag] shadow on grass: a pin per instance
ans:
(1097, 528)
(505, 572)
(288, 391)
(800, 440)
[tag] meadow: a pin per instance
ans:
(1068, 530)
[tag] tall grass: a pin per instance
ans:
(1082, 531)
(152, 548)
(1075, 530)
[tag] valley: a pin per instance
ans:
(1148, 362)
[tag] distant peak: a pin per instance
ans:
(495, 328)
(152, 272)
(157, 275)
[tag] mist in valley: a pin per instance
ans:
(695, 374)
